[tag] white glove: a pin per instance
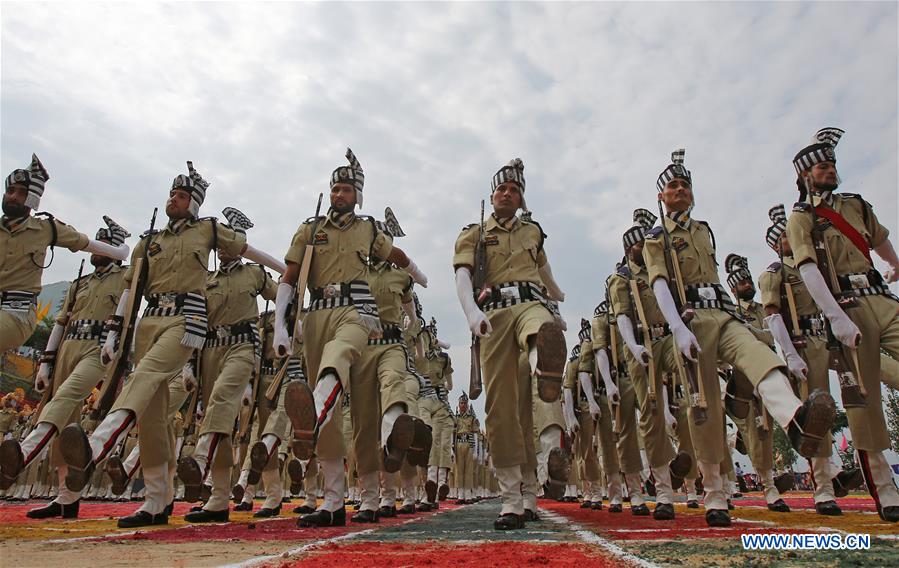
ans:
(247, 398)
(891, 275)
(265, 259)
(571, 422)
(188, 378)
(552, 289)
(612, 392)
(683, 337)
(640, 353)
(107, 353)
(42, 379)
(478, 323)
(443, 344)
(119, 252)
(281, 342)
(587, 388)
(417, 275)
(602, 362)
(843, 328)
(795, 363)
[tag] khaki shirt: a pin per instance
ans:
(586, 363)
(696, 255)
(391, 288)
(754, 314)
(513, 254)
(178, 261)
(466, 424)
(231, 295)
(620, 295)
(96, 297)
(847, 259)
(342, 245)
(570, 374)
(439, 368)
(601, 332)
(22, 251)
(770, 287)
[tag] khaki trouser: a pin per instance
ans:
(345, 419)
(277, 423)
(653, 429)
(682, 432)
(437, 415)
(816, 356)
(889, 371)
(546, 414)
(332, 341)
(224, 374)
(723, 338)
(78, 370)
(160, 356)
(607, 447)
(464, 470)
(877, 317)
(628, 437)
(15, 329)
(376, 383)
(510, 412)
(584, 447)
(759, 444)
(412, 388)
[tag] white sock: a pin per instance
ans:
(777, 396)
(114, 422)
(771, 492)
(635, 488)
(664, 491)
(882, 476)
(388, 420)
(274, 489)
(327, 388)
(156, 482)
(441, 475)
(333, 484)
(432, 473)
(615, 488)
(65, 497)
(369, 495)
(509, 479)
(823, 470)
(532, 359)
(713, 482)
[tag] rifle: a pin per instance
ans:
(479, 282)
(613, 348)
(647, 340)
(852, 389)
(798, 341)
(257, 381)
(687, 368)
(117, 367)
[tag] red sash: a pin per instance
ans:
(843, 226)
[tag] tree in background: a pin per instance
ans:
(784, 454)
(892, 412)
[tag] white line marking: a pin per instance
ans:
(593, 538)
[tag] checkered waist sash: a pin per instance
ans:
(391, 334)
(509, 294)
(709, 295)
(341, 294)
(17, 301)
(860, 284)
(191, 305)
(243, 332)
(87, 329)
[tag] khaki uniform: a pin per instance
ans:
(22, 253)
(584, 448)
(466, 428)
(653, 429)
(435, 410)
(514, 254)
(177, 258)
(628, 444)
(377, 377)
(875, 315)
(720, 335)
(334, 337)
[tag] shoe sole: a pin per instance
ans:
(558, 465)
(680, 465)
(784, 483)
(237, 493)
(551, 354)
(442, 492)
(295, 471)
(116, 472)
(401, 437)
(76, 453)
(818, 420)
(431, 491)
(420, 450)
(11, 463)
(190, 475)
(258, 460)
(847, 483)
(300, 407)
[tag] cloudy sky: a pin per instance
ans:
(433, 98)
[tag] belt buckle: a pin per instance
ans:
(17, 304)
(510, 293)
(166, 301)
(85, 328)
(707, 293)
(330, 291)
(859, 281)
(223, 332)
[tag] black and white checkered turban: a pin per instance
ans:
(643, 222)
(237, 220)
(351, 174)
(195, 185)
(33, 179)
(113, 233)
(778, 216)
(737, 268)
(820, 150)
(675, 170)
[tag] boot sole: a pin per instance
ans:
(680, 465)
(300, 407)
(190, 475)
(76, 452)
(558, 465)
(11, 463)
(551, 353)
(431, 491)
(854, 480)
(401, 437)
(295, 471)
(258, 460)
(116, 472)
(818, 420)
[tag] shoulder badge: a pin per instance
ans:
(774, 266)
(491, 240)
(624, 270)
(320, 237)
(312, 219)
(654, 232)
(148, 233)
(802, 206)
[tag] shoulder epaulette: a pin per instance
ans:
(711, 234)
(149, 233)
(774, 266)
(213, 219)
(366, 218)
(532, 222)
(624, 270)
(802, 206)
(654, 232)
(313, 218)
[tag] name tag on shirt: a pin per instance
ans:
(491, 240)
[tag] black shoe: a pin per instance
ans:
(12, 462)
(530, 516)
(205, 492)
(649, 488)
(387, 512)
(365, 516)
(77, 453)
(204, 516)
(191, 475)
(357, 505)
(717, 518)
(779, 506)
(237, 494)
(596, 505)
(116, 472)
(420, 450)
(846, 481)
(508, 521)
(585, 504)
(828, 508)
(55, 509)
(461, 501)
(442, 492)
(890, 514)
(553, 490)
(425, 507)
(663, 512)
(142, 519)
(692, 504)
(616, 508)
(195, 508)
(812, 422)
(730, 505)
(258, 460)
(431, 491)
(323, 518)
(266, 513)
(558, 465)
(406, 510)
(640, 510)
(243, 506)
(169, 509)
(784, 482)
(304, 510)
